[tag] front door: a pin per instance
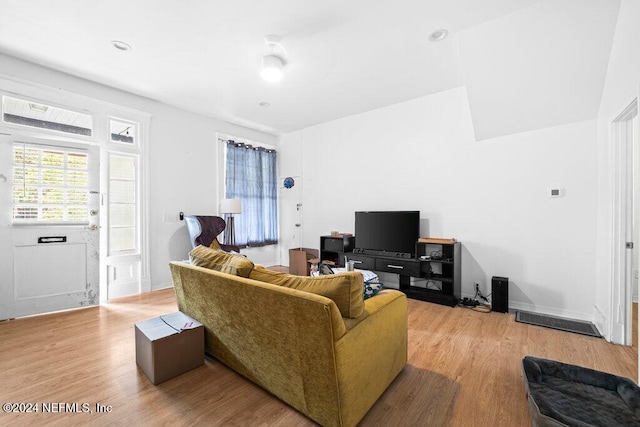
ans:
(49, 226)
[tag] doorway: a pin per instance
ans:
(73, 210)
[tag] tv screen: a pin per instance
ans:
(391, 231)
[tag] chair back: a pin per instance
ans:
(203, 229)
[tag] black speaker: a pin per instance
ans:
(500, 294)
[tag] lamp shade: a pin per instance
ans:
(230, 206)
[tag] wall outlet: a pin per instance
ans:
(477, 285)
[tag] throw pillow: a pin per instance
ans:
(215, 245)
(371, 289)
(203, 256)
(344, 289)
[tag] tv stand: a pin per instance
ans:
(439, 264)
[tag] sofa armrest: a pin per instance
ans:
(372, 353)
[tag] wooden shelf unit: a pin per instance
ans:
(333, 248)
(442, 266)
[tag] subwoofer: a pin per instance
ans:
(500, 294)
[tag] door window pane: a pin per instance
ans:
(122, 204)
(50, 185)
(122, 131)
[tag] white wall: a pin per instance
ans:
(490, 195)
(621, 87)
(184, 178)
(182, 164)
(291, 208)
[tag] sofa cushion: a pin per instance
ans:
(218, 260)
(346, 290)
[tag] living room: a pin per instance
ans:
(480, 178)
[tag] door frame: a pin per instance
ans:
(620, 323)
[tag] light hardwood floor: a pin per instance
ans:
(463, 370)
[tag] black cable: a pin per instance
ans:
(434, 285)
(479, 307)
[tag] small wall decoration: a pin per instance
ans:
(289, 182)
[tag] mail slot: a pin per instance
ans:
(52, 239)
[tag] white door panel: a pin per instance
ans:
(61, 270)
(47, 267)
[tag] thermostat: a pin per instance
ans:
(555, 192)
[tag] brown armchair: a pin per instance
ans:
(203, 229)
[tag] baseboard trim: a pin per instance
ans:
(160, 286)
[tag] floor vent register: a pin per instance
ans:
(554, 322)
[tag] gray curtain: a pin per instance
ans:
(251, 177)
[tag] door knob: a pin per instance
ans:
(93, 212)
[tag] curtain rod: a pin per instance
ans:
(247, 145)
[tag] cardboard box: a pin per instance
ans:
(169, 345)
(299, 260)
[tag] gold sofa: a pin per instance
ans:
(296, 344)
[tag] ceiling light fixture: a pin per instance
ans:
(274, 61)
(272, 68)
(438, 35)
(120, 45)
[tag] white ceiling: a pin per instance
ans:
(344, 57)
(537, 68)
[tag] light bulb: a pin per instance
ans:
(271, 68)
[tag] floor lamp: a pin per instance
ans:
(230, 206)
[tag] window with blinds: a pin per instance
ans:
(50, 185)
(122, 204)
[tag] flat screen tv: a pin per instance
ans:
(389, 231)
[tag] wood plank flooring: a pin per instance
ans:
(463, 370)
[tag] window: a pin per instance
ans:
(123, 132)
(122, 204)
(251, 177)
(50, 185)
(33, 114)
